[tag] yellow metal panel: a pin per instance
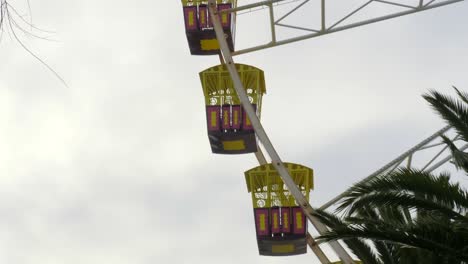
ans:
(234, 145)
(262, 222)
(268, 189)
(191, 18)
(214, 119)
(236, 117)
(226, 118)
(202, 18)
(285, 248)
(285, 219)
(299, 223)
(209, 44)
(267, 174)
(252, 78)
(224, 18)
(275, 221)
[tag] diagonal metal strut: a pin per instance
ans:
(337, 26)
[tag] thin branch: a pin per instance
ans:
(27, 33)
(11, 27)
(29, 23)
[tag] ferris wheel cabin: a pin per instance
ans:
(229, 129)
(199, 27)
(280, 224)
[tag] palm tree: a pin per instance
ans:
(455, 113)
(408, 216)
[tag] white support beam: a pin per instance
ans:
(272, 22)
(250, 6)
(263, 137)
(324, 21)
(394, 163)
(446, 159)
(317, 250)
(336, 26)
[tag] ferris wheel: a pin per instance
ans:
(233, 100)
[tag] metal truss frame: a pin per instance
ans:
(325, 26)
(226, 56)
(407, 159)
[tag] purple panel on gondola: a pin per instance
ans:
(236, 117)
(246, 124)
(285, 220)
(191, 20)
(275, 221)
(262, 222)
(203, 16)
(299, 223)
(226, 117)
(212, 118)
(225, 18)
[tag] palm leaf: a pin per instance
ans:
(436, 188)
(453, 111)
(460, 158)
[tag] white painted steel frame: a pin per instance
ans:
(263, 137)
(427, 143)
(423, 5)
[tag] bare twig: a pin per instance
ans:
(9, 21)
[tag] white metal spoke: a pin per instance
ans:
(445, 160)
(434, 158)
(292, 11)
(339, 25)
(409, 155)
(317, 250)
(250, 6)
(395, 4)
(430, 2)
(351, 14)
(300, 28)
(263, 137)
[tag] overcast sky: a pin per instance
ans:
(116, 168)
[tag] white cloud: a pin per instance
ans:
(117, 168)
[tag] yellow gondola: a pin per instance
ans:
(229, 129)
(280, 224)
(199, 27)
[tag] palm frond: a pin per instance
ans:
(363, 251)
(395, 199)
(460, 158)
(453, 111)
(401, 236)
(357, 246)
(436, 188)
(463, 95)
